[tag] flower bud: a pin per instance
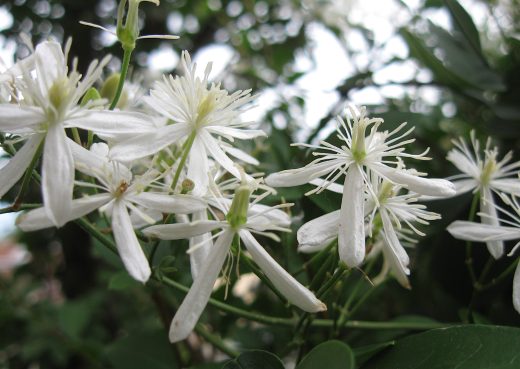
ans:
(92, 94)
(128, 29)
(237, 214)
(109, 89)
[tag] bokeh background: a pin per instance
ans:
(444, 67)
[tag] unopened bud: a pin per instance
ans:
(187, 186)
(237, 214)
(92, 94)
(109, 89)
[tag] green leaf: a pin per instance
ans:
(122, 281)
(364, 353)
(461, 347)
(464, 24)
(331, 355)
(255, 359)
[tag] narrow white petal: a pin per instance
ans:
(400, 273)
(277, 215)
(464, 185)
(351, 234)
(180, 231)
(242, 134)
(508, 185)
(516, 289)
(463, 163)
(334, 187)
(319, 232)
(487, 206)
(50, 64)
(17, 119)
(197, 298)
(241, 155)
(421, 185)
(198, 167)
(178, 204)
(293, 290)
(148, 143)
(37, 219)
(396, 249)
(213, 148)
(112, 122)
(299, 176)
(127, 244)
(478, 232)
(17, 165)
(57, 175)
(203, 244)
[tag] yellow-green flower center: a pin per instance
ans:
(488, 170)
(237, 214)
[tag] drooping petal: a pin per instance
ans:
(478, 232)
(148, 143)
(396, 268)
(37, 219)
(57, 175)
(421, 185)
(17, 165)
(20, 119)
(201, 246)
(127, 244)
(487, 206)
(295, 292)
(198, 167)
(299, 176)
(516, 289)
(197, 298)
(399, 257)
(318, 233)
(180, 231)
(178, 204)
(351, 234)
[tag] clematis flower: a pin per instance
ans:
(358, 156)
(242, 222)
(201, 115)
(387, 218)
(483, 172)
(118, 193)
(48, 105)
(493, 231)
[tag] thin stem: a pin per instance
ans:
(124, 70)
(469, 257)
(477, 287)
(27, 177)
(215, 341)
(75, 135)
(10, 209)
(93, 231)
(186, 150)
(510, 269)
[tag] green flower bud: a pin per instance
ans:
(128, 29)
(237, 214)
(109, 89)
(92, 94)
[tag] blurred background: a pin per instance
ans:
(445, 67)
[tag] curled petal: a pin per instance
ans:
(295, 292)
(399, 258)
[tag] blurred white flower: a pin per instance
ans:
(12, 255)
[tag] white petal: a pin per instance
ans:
(242, 134)
(16, 119)
(240, 155)
(318, 233)
(487, 206)
(516, 289)
(293, 290)
(203, 244)
(197, 298)
(180, 231)
(400, 273)
(127, 244)
(198, 167)
(351, 236)
(334, 187)
(477, 232)
(179, 204)
(148, 143)
(57, 175)
(17, 165)
(36, 219)
(277, 215)
(50, 64)
(88, 161)
(299, 176)
(463, 163)
(421, 185)
(213, 147)
(510, 186)
(112, 122)
(464, 185)
(397, 251)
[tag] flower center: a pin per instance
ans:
(59, 93)
(205, 107)
(386, 191)
(121, 189)
(358, 141)
(237, 214)
(488, 170)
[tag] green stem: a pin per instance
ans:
(186, 150)
(262, 276)
(10, 209)
(93, 231)
(477, 287)
(75, 135)
(124, 70)
(469, 257)
(27, 177)
(215, 341)
(510, 269)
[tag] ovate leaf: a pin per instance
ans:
(330, 355)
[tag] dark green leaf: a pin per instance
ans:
(256, 359)
(363, 354)
(122, 281)
(331, 355)
(461, 347)
(464, 24)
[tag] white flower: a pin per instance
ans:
(484, 173)
(359, 155)
(121, 192)
(387, 217)
(242, 219)
(200, 115)
(477, 232)
(49, 97)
